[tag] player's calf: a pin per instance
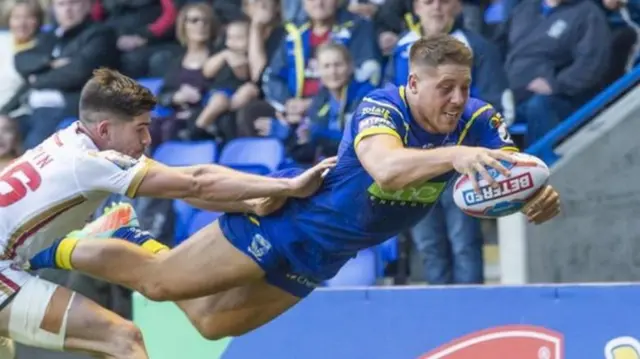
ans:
(44, 315)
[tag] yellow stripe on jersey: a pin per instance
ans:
(475, 115)
(138, 177)
(375, 131)
(510, 148)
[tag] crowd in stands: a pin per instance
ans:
(295, 70)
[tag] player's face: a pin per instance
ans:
(441, 93)
(334, 69)
(130, 137)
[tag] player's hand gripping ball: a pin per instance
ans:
(509, 194)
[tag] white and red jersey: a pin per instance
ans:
(54, 188)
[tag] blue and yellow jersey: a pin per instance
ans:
(351, 212)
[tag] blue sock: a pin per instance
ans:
(133, 235)
(46, 258)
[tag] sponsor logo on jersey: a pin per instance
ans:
(302, 280)
(427, 193)
(505, 187)
(511, 341)
(375, 122)
(376, 111)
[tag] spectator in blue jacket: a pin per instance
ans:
(443, 16)
(319, 134)
(557, 54)
(292, 77)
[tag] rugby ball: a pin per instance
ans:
(528, 175)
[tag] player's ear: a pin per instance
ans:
(412, 83)
(103, 127)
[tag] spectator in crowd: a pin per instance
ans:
(25, 18)
(365, 8)
(10, 147)
(331, 109)
(443, 16)
(230, 72)
(265, 34)
(395, 17)
(624, 20)
(145, 30)
(557, 54)
(184, 84)
(59, 64)
(292, 78)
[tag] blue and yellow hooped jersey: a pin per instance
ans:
(351, 212)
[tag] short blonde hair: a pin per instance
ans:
(438, 50)
(209, 16)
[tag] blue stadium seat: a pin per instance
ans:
(253, 154)
(518, 129)
(174, 153)
(386, 252)
(202, 219)
(66, 123)
(155, 85)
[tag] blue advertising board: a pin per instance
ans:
(489, 322)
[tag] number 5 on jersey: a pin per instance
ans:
(16, 181)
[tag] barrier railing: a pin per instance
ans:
(544, 148)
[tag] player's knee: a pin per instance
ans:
(215, 328)
(125, 338)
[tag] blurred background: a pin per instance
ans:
(247, 84)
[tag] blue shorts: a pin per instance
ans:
(291, 260)
(228, 92)
(249, 238)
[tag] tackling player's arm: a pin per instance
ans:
(117, 173)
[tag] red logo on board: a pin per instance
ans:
(511, 341)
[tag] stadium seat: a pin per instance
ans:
(174, 153)
(386, 251)
(202, 219)
(253, 154)
(155, 85)
(66, 123)
(518, 129)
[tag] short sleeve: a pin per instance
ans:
(110, 171)
(374, 117)
(492, 132)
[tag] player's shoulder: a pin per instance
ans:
(384, 102)
(478, 111)
(112, 157)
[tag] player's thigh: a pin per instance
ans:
(238, 310)
(204, 264)
(42, 314)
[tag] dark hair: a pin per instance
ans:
(440, 49)
(108, 91)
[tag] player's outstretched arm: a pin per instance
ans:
(395, 167)
(216, 183)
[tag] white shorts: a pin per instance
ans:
(31, 296)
